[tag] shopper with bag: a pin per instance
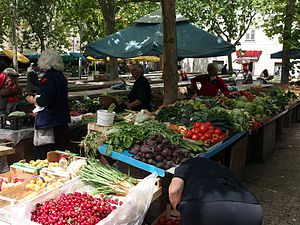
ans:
(52, 105)
(206, 193)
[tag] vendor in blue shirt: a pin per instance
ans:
(140, 94)
(206, 193)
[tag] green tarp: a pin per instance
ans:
(145, 38)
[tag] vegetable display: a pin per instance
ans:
(183, 113)
(91, 143)
(160, 152)
(86, 105)
(106, 179)
(74, 208)
(123, 135)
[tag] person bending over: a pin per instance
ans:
(205, 193)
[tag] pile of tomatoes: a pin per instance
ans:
(164, 221)
(247, 94)
(205, 132)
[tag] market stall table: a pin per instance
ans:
(21, 142)
(261, 141)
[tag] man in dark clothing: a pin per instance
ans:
(206, 193)
(54, 98)
(140, 94)
(224, 69)
(33, 84)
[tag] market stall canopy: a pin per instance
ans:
(20, 57)
(34, 57)
(247, 56)
(294, 53)
(77, 55)
(145, 38)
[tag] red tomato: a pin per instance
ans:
(197, 130)
(207, 142)
(217, 131)
(195, 137)
(208, 134)
(197, 124)
(210, 127)
(203, 138)
(193, 130)
(216, 136)
(162, 220)
(203, 128)
(207, 123)
(222, 137)
(188, 134)
(170, 222)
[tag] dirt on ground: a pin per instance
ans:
(276, 181)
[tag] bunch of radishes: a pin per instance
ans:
(74, 208)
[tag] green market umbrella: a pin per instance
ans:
(294, 53)
(145, 38)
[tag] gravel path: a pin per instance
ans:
(276, 182)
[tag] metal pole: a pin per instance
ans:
(79, 68)
(14, 35)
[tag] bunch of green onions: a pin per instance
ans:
(106, 179)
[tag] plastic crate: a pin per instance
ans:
(16, 123)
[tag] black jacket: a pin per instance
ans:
(141, 90)
(54, 97)
(33, 84)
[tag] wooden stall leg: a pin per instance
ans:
(269, 138)
(294, 115)
(287, 119)
(254, 146)
(298, 113)
(238, 156)
(279, 126)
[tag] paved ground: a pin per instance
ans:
(276, 182)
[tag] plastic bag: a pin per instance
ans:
(132, 212)
(21, 213)
(135, 204)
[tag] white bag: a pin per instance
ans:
(43, 136)
(135, 204)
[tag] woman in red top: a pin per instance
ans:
(8, 90)
(210, 83)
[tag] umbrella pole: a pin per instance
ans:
(79, 68)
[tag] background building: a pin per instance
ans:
(254, 51)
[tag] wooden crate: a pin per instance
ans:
(6, 149)
(54, 156)
(95, 127)
(23, 150)
(12, 195)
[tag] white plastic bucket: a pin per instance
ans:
(104, 118)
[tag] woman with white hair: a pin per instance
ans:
(53, 119)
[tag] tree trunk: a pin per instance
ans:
(108, 10)
(230, 69)
(42, 41)
(287, 33)
(170, 76)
